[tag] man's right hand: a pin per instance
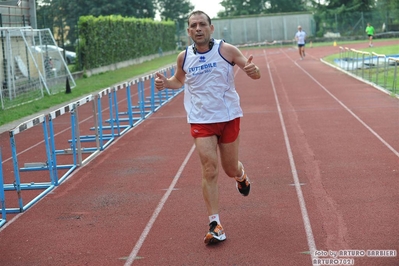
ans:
(160, 81)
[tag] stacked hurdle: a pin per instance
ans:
(385, 66)
(115, 124)
(77, 138)
(360, 61)
(149, 100)
(62, 150)
(74, 150)
(3, 218)
(48, 165)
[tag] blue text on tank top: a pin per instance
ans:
(205, 68)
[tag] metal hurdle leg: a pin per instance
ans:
(115, 105)
(118, 120)
(152, 100)
(141, 98)
(148, 106)
(135, 109)
(3, 219)
(108, 137)
(129, 103)
(129, 107)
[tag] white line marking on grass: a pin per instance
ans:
(158, 209)
(297, 184)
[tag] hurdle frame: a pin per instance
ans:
(18, 186)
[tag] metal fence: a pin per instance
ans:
(353, 24)
(260, 29)
(379, 69)
(31, 65)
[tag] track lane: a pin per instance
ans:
(99, 214)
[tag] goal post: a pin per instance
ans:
(32, 64)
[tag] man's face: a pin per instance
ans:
(199, 29)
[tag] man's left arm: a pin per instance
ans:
(235, 56)
(251, 69)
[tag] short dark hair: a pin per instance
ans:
(198, 12)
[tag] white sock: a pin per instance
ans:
(214, 217)
(240, 179)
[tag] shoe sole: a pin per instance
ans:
(249, 187)
(211, 239)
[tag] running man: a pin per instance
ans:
(300, 37)
(206, 69)
(370, 33)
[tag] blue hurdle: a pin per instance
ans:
(150, 100)
(77, 140)
(71, 150)
(3, 219)
(164, 96)
(116, 124)
(29, 166)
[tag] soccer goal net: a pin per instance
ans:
(32, 64)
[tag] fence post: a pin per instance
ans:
(395, 73)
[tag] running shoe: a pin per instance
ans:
(244, 186)
(215, 235)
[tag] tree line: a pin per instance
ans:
(64, 15)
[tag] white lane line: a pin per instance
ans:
(158, 209)
(346, 108)
(297, 184)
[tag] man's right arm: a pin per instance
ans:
(177, 80)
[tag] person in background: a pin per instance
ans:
(370, 33)
(300, 37)
(206, 69)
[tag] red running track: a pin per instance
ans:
(321, 149)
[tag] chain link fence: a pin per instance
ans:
(352, 25)
(262, 29)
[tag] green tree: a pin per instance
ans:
(174, 9)
(65, 14)
(357, 5)
(389, 10)
(280, 6)
(177, 11)
(241, 8)
(344, 16)
(255, 7)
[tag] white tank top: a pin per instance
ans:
(209, 93)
